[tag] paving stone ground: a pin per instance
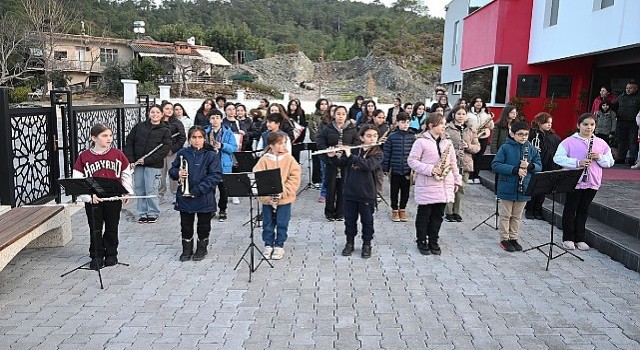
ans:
(473, 296)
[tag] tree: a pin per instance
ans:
(15, 57)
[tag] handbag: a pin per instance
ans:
(297, 130)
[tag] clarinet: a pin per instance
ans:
(585, 172)
(525, 157)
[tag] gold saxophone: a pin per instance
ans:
(482, 129)
(443, 164)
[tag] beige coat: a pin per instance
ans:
(290, 173)
(470, 136)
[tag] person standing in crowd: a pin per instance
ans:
(502, 128)
(224, 144)
(443, 101)
(380, 122)
(396, 151)
(514, 164)
(148, 143)
(408, 108)
(627, 129)
(320, 118)
(418, 118)
(246, 124)
(337, 133)
(263, 106)
(605, 96)
(606, 121)
(204, 112)
(178, 138)
(465, 143)
(437, 178)
(104, 161)
(392, 113)
(356, 108)
(461, 102)
(545, 140)
(581, 150)
(276, 211)
(285, 125)
(366, 116)
(480, 118)
(273, 123)
(181, 115)
(203, 173)
(297, 117)
(221, 103)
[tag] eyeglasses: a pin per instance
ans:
(522, 134)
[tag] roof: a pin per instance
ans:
(212, 57)
(153, 48)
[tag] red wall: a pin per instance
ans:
(499, 34)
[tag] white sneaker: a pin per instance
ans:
(636, 166)
(235, 200)
(569, 245)
(582, 246)
(470, 181)
(477, 181)
(268, 250)
(278, 253)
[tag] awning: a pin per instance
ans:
(147, 54)
(212, 57)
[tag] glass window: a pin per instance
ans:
(491, 83)
(456, 37)
(108, 55)
(60, 55)
(475, 5)
(606, 3)
(553, 12)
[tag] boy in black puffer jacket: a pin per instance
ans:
(396, 151)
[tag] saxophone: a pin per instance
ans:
(443, 164)
(482, 129)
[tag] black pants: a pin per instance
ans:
(203, 227)
(316, 171)
(107, 216)
(295, 152)
(477, 157)
(224, 198)
(627, 133)
(399, 183)
(428, 222)
(333, 202)
(575, 213)
(353, 209)
(535, 204)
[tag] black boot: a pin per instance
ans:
(529, 214)
(366, 250)
(538, 215)
(423, 248)
(187, 249)
(201, 251)
(348, 247)
(434, 247)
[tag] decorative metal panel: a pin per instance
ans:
(131, 118)
(85, 120)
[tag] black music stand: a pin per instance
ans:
(554, 181)
(103, 188)
(485, 164)
(245, 161)
(310, 147)
(240, 185)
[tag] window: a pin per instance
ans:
(475, 5)
(60, 55)
(456, 39)
(491, 83)
(108, 55)
(606, 3)
(457, 88)
(553, 11)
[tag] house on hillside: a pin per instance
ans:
(552, 55)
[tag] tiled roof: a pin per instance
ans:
(152, 48)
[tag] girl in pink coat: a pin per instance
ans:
(434, 186)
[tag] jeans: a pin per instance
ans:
(402, 184)
(146, 181)
(203, 227)
(323, 171)
(428, 221)
(575, 214)
(269, 225)
(353, 209)
(107, 215)
(173, 184)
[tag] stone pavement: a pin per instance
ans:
(473, 296)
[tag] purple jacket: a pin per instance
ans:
(574, 148)
(422, 159)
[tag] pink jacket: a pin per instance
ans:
(422, 159)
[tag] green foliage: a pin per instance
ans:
(59, 79)
(242, 77)
(145, 70)
(19, 94)
(262, 89)
(148, 87)
(110, 84)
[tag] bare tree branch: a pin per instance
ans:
(13, 49)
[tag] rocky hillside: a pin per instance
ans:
(341, 80)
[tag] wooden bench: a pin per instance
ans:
(32, 227)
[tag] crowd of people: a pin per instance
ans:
(439, 149)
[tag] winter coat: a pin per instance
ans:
(290, 174)
(628, 107)
(476, 120)
(500, 136)
(205, 174)
(471, 138)
(595, 107)
(605, 123)
(353, 112)
(574, 148)
(330, 136)
(549, 142)
(390, 117)
(202, 119)
(315, 125)
(396, 151)
(143, 138)
(178, 140)
(359, 173)
(423, 158)
(225, 136)
(417, 122)
(506, 164)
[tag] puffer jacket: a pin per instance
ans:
(423, 158)
(205, 174)
(177, 129)
(229, 145)
(143, 138)
(396, 151)
(606, 123)
(330, 136)
(506, 164)
(471, 138)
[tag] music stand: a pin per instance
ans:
(309, 147)
(240, 185)
(245, 161)
(485, 164)
(554, 181)
(103, 188)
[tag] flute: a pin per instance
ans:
(153, 150)
(338, 149)
(125, 197)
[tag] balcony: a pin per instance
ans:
(69, 66)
